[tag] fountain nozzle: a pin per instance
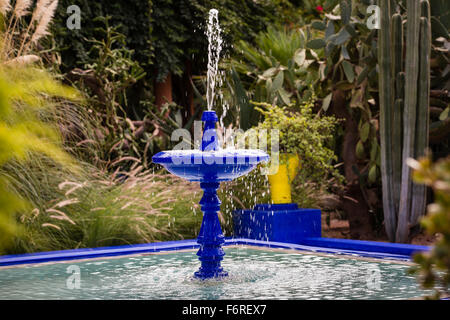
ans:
(210, 140)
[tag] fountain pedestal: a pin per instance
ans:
(210, 237)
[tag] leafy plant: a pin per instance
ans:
(302, 133)
(434, 266)
(106, 80)
(340, 65)
(345, 66)
(274, 66)
(133, 17)
(322, 59)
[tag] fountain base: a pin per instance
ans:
(278, 222)
(203, 275)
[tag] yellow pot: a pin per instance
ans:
(280, 182)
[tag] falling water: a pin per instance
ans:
(214, 48)
(215, 78)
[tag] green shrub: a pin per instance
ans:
(303, 133)
(132, 17)
(109, 74)
(434, 266)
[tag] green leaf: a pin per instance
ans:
(269, 73)
(373, 174)
(344, 53)
(322, 71)
(351, 30)
(438, 28)
(290, 65)
(328, 5)
(327, 70)
(278, 81)
(285, 96)
(444, 115)
(299, 57)
(360, 150)
(269, 85)
(348, 70)
(316, 44)
(365, 130)
(341, 37)
(363, 75)
(332, 16)
(245, 107)
(374, 150)
(330, 30)
(326, 102)
(346, 11)
(319, 25)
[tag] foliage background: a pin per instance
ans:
(278, 52)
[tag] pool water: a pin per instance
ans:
(254, 274)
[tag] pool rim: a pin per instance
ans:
(341, 247)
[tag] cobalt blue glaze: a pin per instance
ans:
(210, 141)
(210, 165)
(383, 250)
(206, 172)
(210, 237)
(277, 222)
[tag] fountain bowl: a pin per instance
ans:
(220, 165)
(210, 163)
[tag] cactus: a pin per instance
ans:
(404, 86)
(386, 102)
(397, 118)
(418, 205)
(397, 48)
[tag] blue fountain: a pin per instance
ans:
(210, 165)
